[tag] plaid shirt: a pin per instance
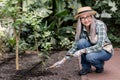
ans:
(102, 39)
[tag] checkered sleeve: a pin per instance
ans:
(71, 50)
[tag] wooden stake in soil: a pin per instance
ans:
(17, 48)
(17, 55)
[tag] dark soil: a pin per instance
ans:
(30, 69)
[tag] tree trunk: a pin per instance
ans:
(16, 48)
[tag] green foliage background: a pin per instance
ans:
(50, 25)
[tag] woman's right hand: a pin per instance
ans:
(58, 64)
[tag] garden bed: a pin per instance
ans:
(30, 69)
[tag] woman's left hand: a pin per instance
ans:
(79, 52)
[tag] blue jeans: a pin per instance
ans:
(95, 59)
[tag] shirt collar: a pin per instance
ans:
(84, 29)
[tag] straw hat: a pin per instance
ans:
(82, 10)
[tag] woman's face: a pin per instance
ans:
(86, 19)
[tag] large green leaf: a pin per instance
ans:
(62, 13)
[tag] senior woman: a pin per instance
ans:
(91, 42)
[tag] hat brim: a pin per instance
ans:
(89, 12)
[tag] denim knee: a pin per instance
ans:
(83, 43)
(90, 58)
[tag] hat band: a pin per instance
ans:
(85, 11)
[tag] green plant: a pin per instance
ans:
(12, 10)
(2, 42)
(11, 43)
(65, 43)
(61, 21)
(116, 14)
(40, 10)
(36, 34)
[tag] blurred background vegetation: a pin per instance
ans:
(45, 25)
